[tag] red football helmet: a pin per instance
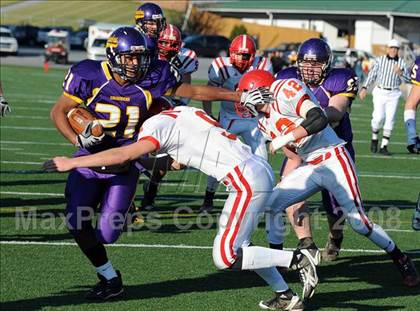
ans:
(169, 42)
(251, 81)
(242, 52)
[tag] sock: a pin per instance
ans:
(337, 241)
(307, 242)
(385, 141)
(209, 196)
(381, 239)
(273, 278)
(107, 271)
(152, 189)
(256, 257)
(375, 134)
(410, 126)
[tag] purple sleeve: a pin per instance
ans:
(287, 73)
(342, 82)
(415, 72)
(167, 80)
(75, 86)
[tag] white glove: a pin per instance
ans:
(251, 99)
(86, 139)
(4, 107)
(281, 141)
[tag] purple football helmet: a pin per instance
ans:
(129, 53)
(313, 60)
(150, 19)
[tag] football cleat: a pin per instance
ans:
(304, 262)
(416, 217)
(331, 250)
(374, 146)
(106, 289)
(208, 204)
(414, 148)
(384, 151)
(287, 300)
(312, 249)
(407, 270)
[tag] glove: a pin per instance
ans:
(86, 139)
(251, 99)
(4, 107)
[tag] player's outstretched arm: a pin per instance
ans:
(58, 115)
(337, 107)
(207, 93)
(108, 157)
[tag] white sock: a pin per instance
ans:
(381, 238)
(385, 141)
(256, 257)
(273, 278)
(375, 134)
(410, 125)
(107, 271)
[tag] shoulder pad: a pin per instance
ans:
(87, 69)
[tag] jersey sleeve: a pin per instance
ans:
(342, 82)
(76, 86)
(168, 80)
(415, 72)
(290, 95)
(265, 64)
(189, 61)
(155, 130)
(215, 73)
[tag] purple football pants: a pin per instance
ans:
(86, 190)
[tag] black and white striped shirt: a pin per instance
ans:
(383, 73)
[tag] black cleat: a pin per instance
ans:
(384, 151)
(414, 148)
(408, 271)
(106, 289)
(287, 300)
(374, 146)
(208, 204)
(313, 251)
(304, 263)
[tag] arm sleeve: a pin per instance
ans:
(76, 87)
(157, 130)
(372, 74)
(214, 74)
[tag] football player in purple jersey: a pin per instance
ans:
(150, 20)
(413, 100)
(119, 93)
(335, 88)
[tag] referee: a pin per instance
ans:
(388, 72)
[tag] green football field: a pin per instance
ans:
(166, 263)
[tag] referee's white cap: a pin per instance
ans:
(393, 43)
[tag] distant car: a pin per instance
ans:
(347, 57)
(8, 44)
(286, 48)
(208, 45)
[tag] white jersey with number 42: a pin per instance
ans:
(286, 114)
(194, 139)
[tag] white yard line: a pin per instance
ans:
(22, 162)
(414, 157)
(30, 128)
(168, 246)
(28, 117)
(16, 142)
(391, 142)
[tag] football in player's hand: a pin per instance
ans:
(82, 122)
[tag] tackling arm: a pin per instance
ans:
(108, 157)
(207, 93)
(58, 115)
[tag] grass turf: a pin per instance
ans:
(55, 277)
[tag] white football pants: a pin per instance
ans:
(385, 104)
